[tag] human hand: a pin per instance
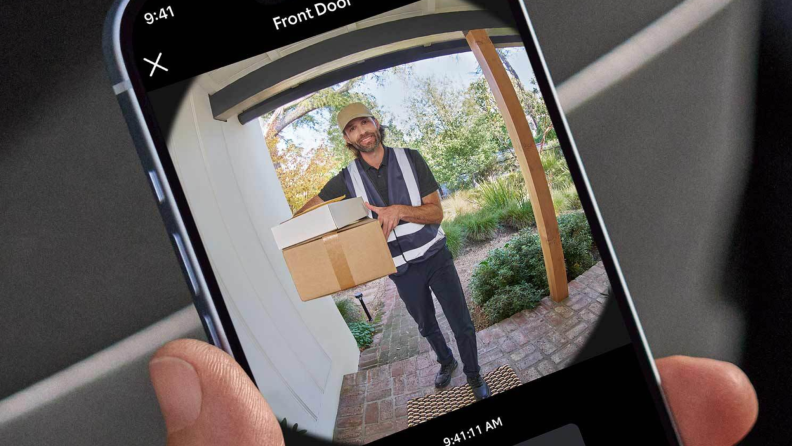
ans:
(388, 217)
(713, 402)
(207, 399)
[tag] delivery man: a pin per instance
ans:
(400, 191)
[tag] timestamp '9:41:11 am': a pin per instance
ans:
(473, 432)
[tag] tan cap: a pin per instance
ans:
(352, 111)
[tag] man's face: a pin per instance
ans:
(363, 134)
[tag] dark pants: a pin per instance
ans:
(439, 274)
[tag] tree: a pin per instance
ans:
(533, 103)
(459, 131)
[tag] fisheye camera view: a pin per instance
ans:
(393, 226)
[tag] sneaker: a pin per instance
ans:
(479, 387)
(443, 377)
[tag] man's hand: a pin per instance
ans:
(206, 399)
(430, 212)
(389, 217)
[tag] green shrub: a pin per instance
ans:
(498, 193)
(455, 236)
(349, 310)
(363, 333)
(510, 301)
(519, 262)
(577, 243)
(518, 215)
(517, 270)
(479, 226)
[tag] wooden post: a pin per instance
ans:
(528, 156)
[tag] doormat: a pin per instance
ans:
(425, 408)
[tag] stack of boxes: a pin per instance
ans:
(333, 248)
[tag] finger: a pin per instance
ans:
(207, 399)
(385, 229)
(713, 402)
(371, 208)
(389, 228)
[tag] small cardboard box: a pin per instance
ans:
(321, 220)
(339, 260)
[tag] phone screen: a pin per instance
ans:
(382, 217)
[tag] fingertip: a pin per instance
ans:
(232, 410)
(714, 402)
(178, 390)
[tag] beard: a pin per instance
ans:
(371, 145)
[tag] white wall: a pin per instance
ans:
(298, 351)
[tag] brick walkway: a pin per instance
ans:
(402, 367)
(399, 338)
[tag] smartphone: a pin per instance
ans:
(381, 214)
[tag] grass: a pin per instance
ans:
(459, 203)
(349, 310)
(475, 215)
(479, 226)
(556, 169)
(500, 192)
(518, 215)
(455, 236)
(565, 200)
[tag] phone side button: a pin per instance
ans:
(183, 254)
(155, 183)
(214, 338)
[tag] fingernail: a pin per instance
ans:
(178, 391)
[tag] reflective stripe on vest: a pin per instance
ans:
(408, 242)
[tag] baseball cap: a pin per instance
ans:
(352, 111)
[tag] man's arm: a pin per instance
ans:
(429, 213)
(334, 188)
(315, 201)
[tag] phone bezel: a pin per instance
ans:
(151, 146)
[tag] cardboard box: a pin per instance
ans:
(326, 218)
(339, 260)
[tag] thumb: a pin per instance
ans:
(713, 402)
(207, 399)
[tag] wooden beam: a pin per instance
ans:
(528, 156)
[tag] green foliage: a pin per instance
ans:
(556, 169)
(511, 300)
(517, 270)
(577, 243)
(518, 215)
(455, 236)
(519, 262)
(363, 333)
(500, 192)
(459, 131)
(479, 226)
(349, 310)
(566, 200)
(562, 188)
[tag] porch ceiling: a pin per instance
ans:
(425, 29)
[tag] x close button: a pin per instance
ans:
(155, 65)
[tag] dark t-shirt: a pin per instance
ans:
(427, 184)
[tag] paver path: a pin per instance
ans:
(534, 343)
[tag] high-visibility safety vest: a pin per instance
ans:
(408, 242)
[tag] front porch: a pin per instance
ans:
(400, 365)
